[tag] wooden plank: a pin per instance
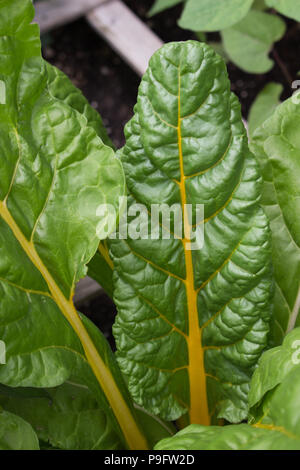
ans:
(86, 289)
(126, 33)
(53, 13)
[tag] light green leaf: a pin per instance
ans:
(289, 8)
(208, 15)
(276, 145)
(248, 42)
(264, 106)
(16, 434)
(234, 437)
(192, 324)
(274, 366)
(277, 429)
(55, 172)
(281, 408)
(161, 5)
(61, 87)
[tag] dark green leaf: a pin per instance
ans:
(192, 324)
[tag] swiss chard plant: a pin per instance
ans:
(194, 326)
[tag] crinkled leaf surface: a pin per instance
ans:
(274, 366)
(192, 324)
(55, 171)
(264, 106)
(248, 42)
(16, 434)
(290, 8)
(276, 145)
(208, 15)
(277, 429)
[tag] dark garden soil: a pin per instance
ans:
(111, 86)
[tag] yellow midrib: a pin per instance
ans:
(103, 250)
(127, 423)
(199, 413)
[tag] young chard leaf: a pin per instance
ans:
(276, 145)
(208, 15)
(55, 171)
(191, 325)
(249, 42)
(289, 8)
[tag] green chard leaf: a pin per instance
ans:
(69, 418)
(289, 8)
(16, 434)
(191, 325)
(274, 402)
(61, 87)
(208, 15)
(274, 366)
(249, 42)
(276, 146)
(264, 106)
(100, 267)
(55, 172)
